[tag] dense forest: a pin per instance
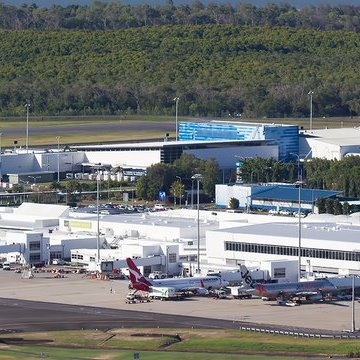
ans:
(216, 70)
(220, 59)
(101, 15)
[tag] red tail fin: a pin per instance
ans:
(137, 279)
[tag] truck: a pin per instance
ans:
(133, 298)
(241, 292)
(163, 293)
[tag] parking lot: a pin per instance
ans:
(78, 289)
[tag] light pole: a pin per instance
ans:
(58, 159)
(0, 158)
(353, 304)
(299, 214)
(198, 177)
(192, 193)
(311, 93)
(27, 106)
(48, 246)
(97, 212)
(176, 99)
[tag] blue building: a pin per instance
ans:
(286, 137)
(271, 196)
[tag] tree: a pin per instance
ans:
(329, 206)
(338, 208)
(234, 203)
(177, 190)
(346, 208)
(158, 178)
(320, 203)
(142, 187)
(211, 176)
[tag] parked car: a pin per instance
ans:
(6, 266)
(302, 215)
(159, 207)
(58, 262)
(157, 275)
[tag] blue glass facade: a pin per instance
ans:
(285, 136)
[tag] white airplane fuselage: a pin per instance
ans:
(207, 282)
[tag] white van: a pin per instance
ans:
(6, 266)
(159, 207)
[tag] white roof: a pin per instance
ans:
(40, 211)
(338, 136)
(155, 219)
(311, 231)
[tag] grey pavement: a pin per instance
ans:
(75, 289)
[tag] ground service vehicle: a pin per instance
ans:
(239, 292)
(162, 293)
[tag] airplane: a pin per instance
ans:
(197, 285)
(311, 291)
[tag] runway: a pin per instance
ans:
(122, 126)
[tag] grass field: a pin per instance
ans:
(56, 122)
(174, 344)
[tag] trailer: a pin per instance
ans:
(241, 292)
(163, 293)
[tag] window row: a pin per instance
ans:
(293, 251)
(34, 245)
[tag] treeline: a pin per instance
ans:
(216, 70)
(177, 179)
(114, 15)
(338, 175)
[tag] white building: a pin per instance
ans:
(325, 247)
(331, 144)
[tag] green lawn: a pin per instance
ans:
(194, 344)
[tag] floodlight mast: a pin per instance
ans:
(27, 106)
(311, 93)
(176, 99)
(198, 178)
